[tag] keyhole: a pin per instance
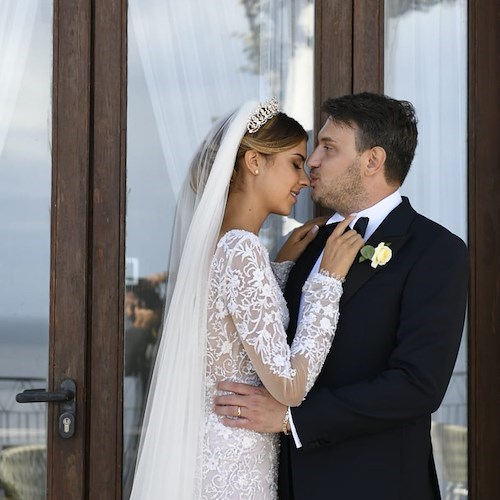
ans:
(66, 423)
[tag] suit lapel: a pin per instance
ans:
(394, 229)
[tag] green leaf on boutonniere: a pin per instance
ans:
(366, 253)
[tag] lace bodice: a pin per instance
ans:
(247, 318)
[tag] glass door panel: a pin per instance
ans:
(425, 62)
(25, 197)
(189, 64)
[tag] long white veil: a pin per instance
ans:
(169, 460)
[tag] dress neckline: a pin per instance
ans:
(236, 230)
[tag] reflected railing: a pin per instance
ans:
(21, 424)
(449, 439)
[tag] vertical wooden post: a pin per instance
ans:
(69, 239)
(108, 246)
(484, 244)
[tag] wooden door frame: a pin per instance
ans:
(349, 49)
(484, 247)
(105, 364)
(348, 52)
(88, 244)
(70, 229)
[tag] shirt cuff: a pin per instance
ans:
(295, 436)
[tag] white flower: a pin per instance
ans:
(378, 256)
(382, 255)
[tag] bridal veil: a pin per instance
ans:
(169, 460)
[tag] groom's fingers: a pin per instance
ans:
(225, 403)
(258, 410)
(240, 395)
(240, 423)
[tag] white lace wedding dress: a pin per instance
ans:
(247, 318)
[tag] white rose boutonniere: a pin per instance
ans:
(378, 256)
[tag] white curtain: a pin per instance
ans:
(426, 63)
(201, 59)
(16, 27)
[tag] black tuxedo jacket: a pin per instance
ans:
(365, 425)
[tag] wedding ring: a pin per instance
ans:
(238, 413)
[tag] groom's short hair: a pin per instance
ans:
(382, 121)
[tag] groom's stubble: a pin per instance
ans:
(345, 194)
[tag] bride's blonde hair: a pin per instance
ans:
(278, 134)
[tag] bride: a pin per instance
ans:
(227, 316)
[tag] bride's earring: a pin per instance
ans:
(257, 172)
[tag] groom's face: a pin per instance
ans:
(335, 165)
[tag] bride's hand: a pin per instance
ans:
(341, 249)
(299, 239)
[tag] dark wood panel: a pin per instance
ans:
(484, 243)
(368, 46)
(69, 239)
(108, 202)
(333, 52)
(332, 57)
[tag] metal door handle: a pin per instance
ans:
(42, 396)
(66, 396)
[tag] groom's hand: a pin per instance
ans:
(259, 411)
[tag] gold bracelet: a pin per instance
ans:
(286, 422)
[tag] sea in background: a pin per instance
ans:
(24, 347)
(23, 364)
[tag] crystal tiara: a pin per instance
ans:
(262, 114)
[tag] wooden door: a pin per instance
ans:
(85, 138)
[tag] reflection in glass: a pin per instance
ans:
(187, 66)
(25, 180)
(426, 63)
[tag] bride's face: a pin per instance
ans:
(283, 178)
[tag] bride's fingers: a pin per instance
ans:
(351, 237)
(342, 226)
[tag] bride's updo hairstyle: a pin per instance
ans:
(278, 134)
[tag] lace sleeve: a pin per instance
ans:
(254, 303)
(281, 271)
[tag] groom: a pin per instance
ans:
(364, 429)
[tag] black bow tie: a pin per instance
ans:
(325, 231)
(361, 225)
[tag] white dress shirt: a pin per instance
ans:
(376, 213)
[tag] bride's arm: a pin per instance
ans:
(288, 373)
